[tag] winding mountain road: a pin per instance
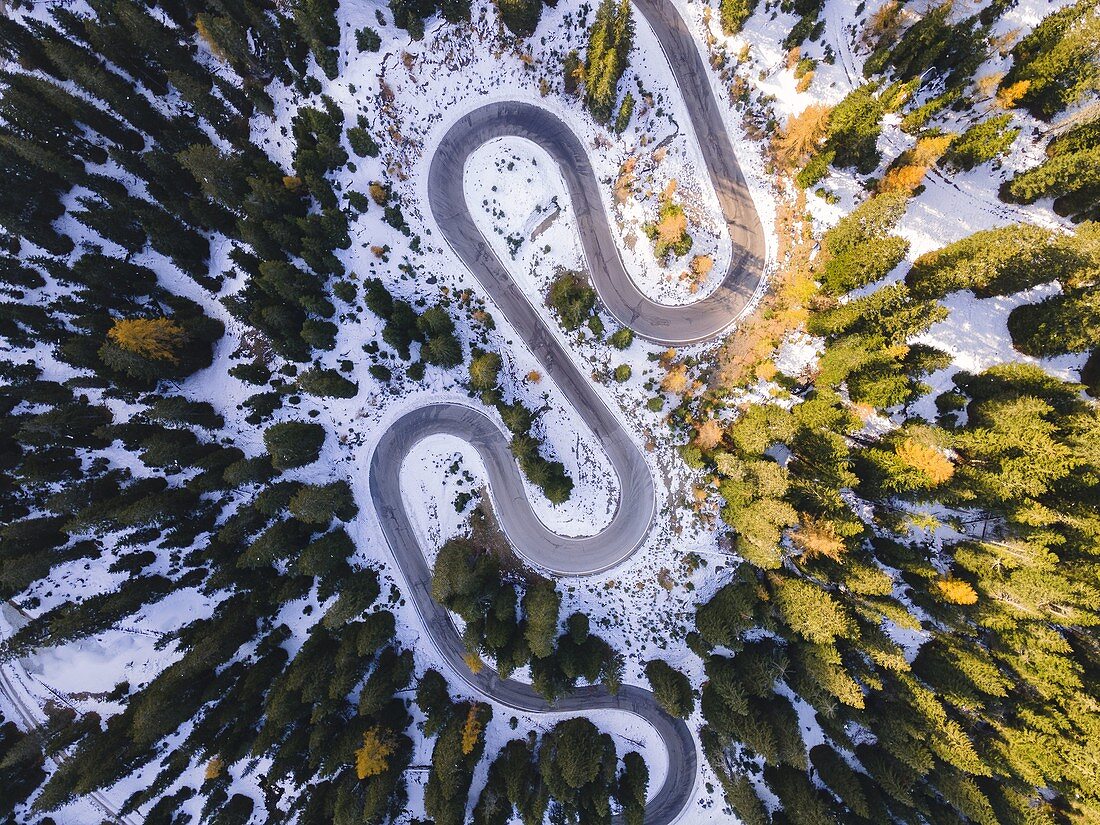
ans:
(671, 325)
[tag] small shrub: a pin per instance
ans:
(327, 384)
(621, 338)
(368, 40)
(572, 298)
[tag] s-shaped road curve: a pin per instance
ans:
(672, 325)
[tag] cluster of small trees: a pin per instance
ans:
(433, 328)
(669, 230)
(809, 24)
(953, 51)
(152, 518)
(568, 774)
(411, 14)
(512, 618)
(932, 53)
(1068, 175)
(287, 302)
(311, 714)
(851, 130)
(573, 298)
(521, 17)
(606, 59)
(1055, 65)
(549, 476)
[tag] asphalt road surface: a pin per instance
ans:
(672, 325)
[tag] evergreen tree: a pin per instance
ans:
(607, 56)
(541, 603)
(293, 443)
(632, 787)
(860, 249)
(982, 142)
(521, 17)
(1056, 62)
(1069, 322)
(319, 504)
(733, 14)
(671, 688)
(327, 384)
(577, 763)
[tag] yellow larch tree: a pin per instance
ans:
(925, 459)
(817, 537)
(675, 380)
(471, 731)
(1010, 95)
(157, 339)
(802, 135)
(956, 591)
(214, 769)
(373, 758)
(701, 266)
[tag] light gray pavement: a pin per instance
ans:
(672, 325)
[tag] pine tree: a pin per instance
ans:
(632, 788)
(854, 127)
(221, 175)
(1057, 60)
(434, 701)
(841, 779)
(317, 24)
(734, 13)
(294, 443)
(810, 612)
(577, 762)
(671, 689)
(541, 603)
(327, 384)
(520, 16)
(320, 503)
(607, 57)
(860, 249)
(996, 262)
(227, 41)
(981, 143)
(729, 612)
(1065, 323)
